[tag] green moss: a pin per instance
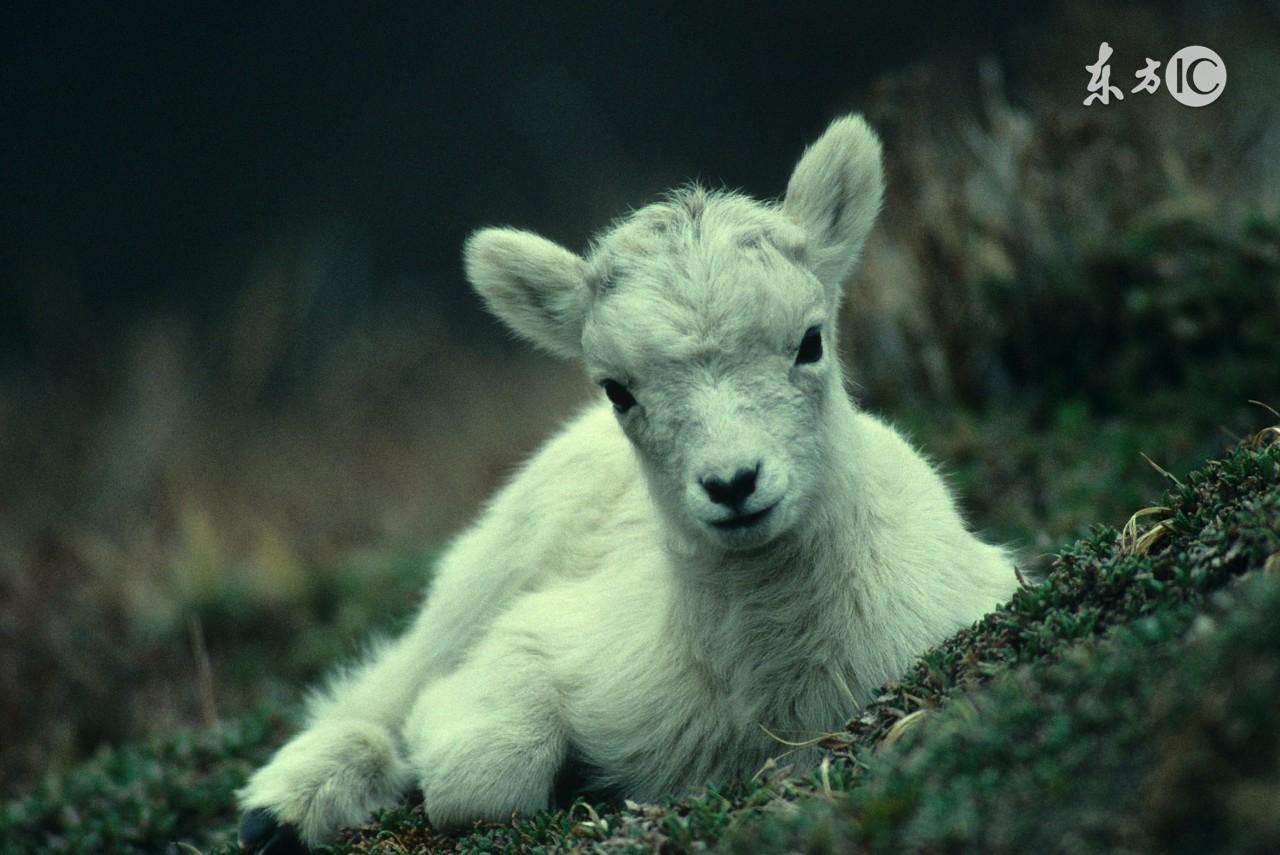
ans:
(1144, 742)
(143, 797)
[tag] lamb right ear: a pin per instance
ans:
(834, 194)
(535, 286)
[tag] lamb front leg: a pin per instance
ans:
(488, 740)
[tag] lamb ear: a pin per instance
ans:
(834, 194)
(537, 287)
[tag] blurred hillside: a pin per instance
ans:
(245, 393)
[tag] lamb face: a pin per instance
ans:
(715, 344)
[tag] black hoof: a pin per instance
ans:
(262, 834)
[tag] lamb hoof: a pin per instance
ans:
(262, 834)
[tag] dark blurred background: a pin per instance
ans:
(245, 392)
(153, 152)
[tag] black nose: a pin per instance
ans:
(734, 492)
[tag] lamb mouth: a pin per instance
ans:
(744, 520)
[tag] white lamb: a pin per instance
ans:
(724, 545)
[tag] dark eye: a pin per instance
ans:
(810, 346)
(622, 399)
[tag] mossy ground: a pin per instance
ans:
(1125, 703)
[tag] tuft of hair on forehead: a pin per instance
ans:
(690, 221)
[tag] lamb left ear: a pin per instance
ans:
(535, 286)
(835, 194)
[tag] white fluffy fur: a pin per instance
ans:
(594, 612)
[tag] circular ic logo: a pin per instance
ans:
(1195, 76)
